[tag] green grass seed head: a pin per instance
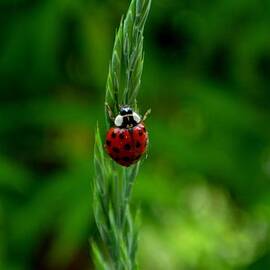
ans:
(112, 184)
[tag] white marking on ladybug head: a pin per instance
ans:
(136, 117)
(118, 121)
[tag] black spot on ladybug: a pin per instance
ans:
(144, 129)
(122, 136)
(116, 159)
(127, 146)
(126, 159)
(138, 157)
(116, 150)
(113, 135)
(108, 143)
(138, 145)
(140, 133)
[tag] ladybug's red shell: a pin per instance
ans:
(126, 145)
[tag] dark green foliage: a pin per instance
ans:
(206, 182)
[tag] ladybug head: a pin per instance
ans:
(127, 118)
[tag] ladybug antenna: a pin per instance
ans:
(146, 114)
(109, 111)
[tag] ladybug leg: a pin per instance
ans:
(146, 114)
(109, 111)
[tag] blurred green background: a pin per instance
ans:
(204, 190)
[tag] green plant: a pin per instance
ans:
(112, 184)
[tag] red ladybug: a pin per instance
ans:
(127, 141)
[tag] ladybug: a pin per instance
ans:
(127, 140)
